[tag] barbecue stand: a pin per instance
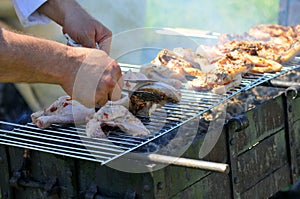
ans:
(57, 164)
(260, 154)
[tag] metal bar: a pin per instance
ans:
(44, 149)
(65, 140)
(95, 141)
(58, 146)
(185, 162)
(281, 84)
(189, 33)
(58, 133)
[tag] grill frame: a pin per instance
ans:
(64, 140)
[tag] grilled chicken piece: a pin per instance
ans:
(203, 83)
(143, 98)
(63, 111)
(270, 41)
(177, 62)
(214, 82)
(275, 49)
(196, 59)
(162, 74)
(266, 31)
(174, 67)
(253, 57)
(262, 65)
(290, 53)
(163, 93)
(228, 70)
(172, 61)
(115, 115)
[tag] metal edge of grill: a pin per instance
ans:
(72, 141)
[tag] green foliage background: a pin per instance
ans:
(230, 16)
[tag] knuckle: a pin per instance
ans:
(109, 33)
(109, 81)
(115, 67)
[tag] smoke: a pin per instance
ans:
(231, 16)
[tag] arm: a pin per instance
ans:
(88, 75)
(79, 24)
(27, 59)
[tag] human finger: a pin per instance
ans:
(105, 45)
(103, 38)
(116, 93)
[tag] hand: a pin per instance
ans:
(88, 75)
(86, 30)
(79, 24)
(97, 79)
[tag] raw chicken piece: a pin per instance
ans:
(63, 111)
(115, 115)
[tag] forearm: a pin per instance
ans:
(30, 59)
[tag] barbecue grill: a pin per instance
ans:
(73, 142)
(64, 144)
(62, 162)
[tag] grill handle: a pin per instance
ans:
(186, 162)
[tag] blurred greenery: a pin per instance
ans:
(230, 16)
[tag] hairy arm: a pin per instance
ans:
(29, 59)
(88, 75)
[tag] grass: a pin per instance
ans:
(230, 16)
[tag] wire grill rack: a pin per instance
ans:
(72, 141)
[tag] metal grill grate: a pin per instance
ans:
(73, 142)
